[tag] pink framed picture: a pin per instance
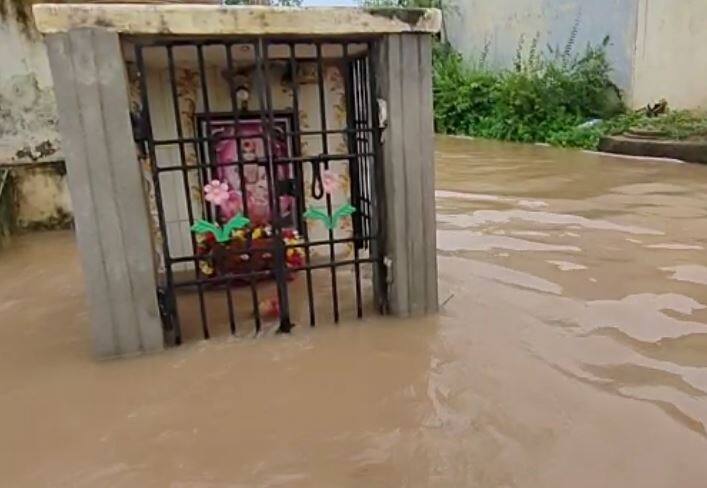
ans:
(248, 183)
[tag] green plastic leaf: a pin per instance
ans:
(344, 211)
(204, 227)
(237, 222)
(313, 213)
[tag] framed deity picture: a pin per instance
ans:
(245, 169)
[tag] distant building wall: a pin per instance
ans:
(501, 23)
(658, 47)
(29, 140)
(671, 53)
(27, 108)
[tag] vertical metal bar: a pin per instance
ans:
(360, 134)
(202, 157)
(378, 216)
(300, 184)
(182, 157)
(366, 143)
(205, 100)
(325, 151)
(170, 292)
(262, 68)
(294, 139)
(229, 304)
(241, 176)
(362, 124)
(352, 137)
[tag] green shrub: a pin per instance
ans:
(588, 136)
(463, 96)
(546, 97)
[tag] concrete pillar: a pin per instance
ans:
(104, 178)
(404, 65)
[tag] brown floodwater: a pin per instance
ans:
(570, 351)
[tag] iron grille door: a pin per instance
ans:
(187, 143)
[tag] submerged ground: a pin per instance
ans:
(571, 350)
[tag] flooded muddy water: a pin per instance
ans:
(570, 350)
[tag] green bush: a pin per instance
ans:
(588, 137)
(546, 97)
(463, 96)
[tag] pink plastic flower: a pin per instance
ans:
(329, 181)
(216, 192)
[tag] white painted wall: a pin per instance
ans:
(658, 47)
(28, 132)
(501, 23)
(671, 53)
(27, 105)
